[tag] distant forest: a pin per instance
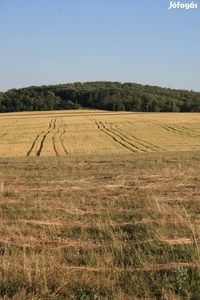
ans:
(100, 95)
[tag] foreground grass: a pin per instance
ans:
(100, 227)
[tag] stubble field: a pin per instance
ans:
(99, 205)
(88, 132)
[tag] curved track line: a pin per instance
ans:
(106, 131)
(33, 144)
(54, 143)
(54, 123)
(177, 131)
(141, 142)
(3, 135)
(41, 144)
(123, 137)
(50, 124)
(62, 142)
(189, 131)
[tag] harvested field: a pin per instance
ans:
(62, 133)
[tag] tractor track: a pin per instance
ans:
(53, 124)
(59, 137)
(59, 140)
(117, 133)
(33, 144)
(115, 137)
(42, 143)
(142, 142)
(62, 142)
(180, 131)
(50, 124)
(54, 142)
(56, 138)
(3, 135)
(191, 132)
(122, 137)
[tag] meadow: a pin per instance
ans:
(99, 205)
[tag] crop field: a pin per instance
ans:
(96, 132)
(99, 205)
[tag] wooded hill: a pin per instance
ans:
(100, 95)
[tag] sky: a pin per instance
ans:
(45, 42)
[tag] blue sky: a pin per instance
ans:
(46, 42)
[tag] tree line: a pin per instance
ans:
(104, 95)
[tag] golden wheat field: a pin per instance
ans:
(96, 132)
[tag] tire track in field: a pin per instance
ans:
(42, 143)
(62, 142)
(130, 141)
(33, 144)
(191, 132)
(141, 142)
(52, 125)
(61, 138)
(178, 131)
(125, 138)
(3, 135)
(54, 142)
(11, 124)
(116, 137)
(56, 138)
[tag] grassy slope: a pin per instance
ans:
(100, 226)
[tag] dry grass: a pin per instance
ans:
(62, 133)
(100, 227)
(93, 205)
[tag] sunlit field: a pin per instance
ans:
(99, 205)
(96, 132)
